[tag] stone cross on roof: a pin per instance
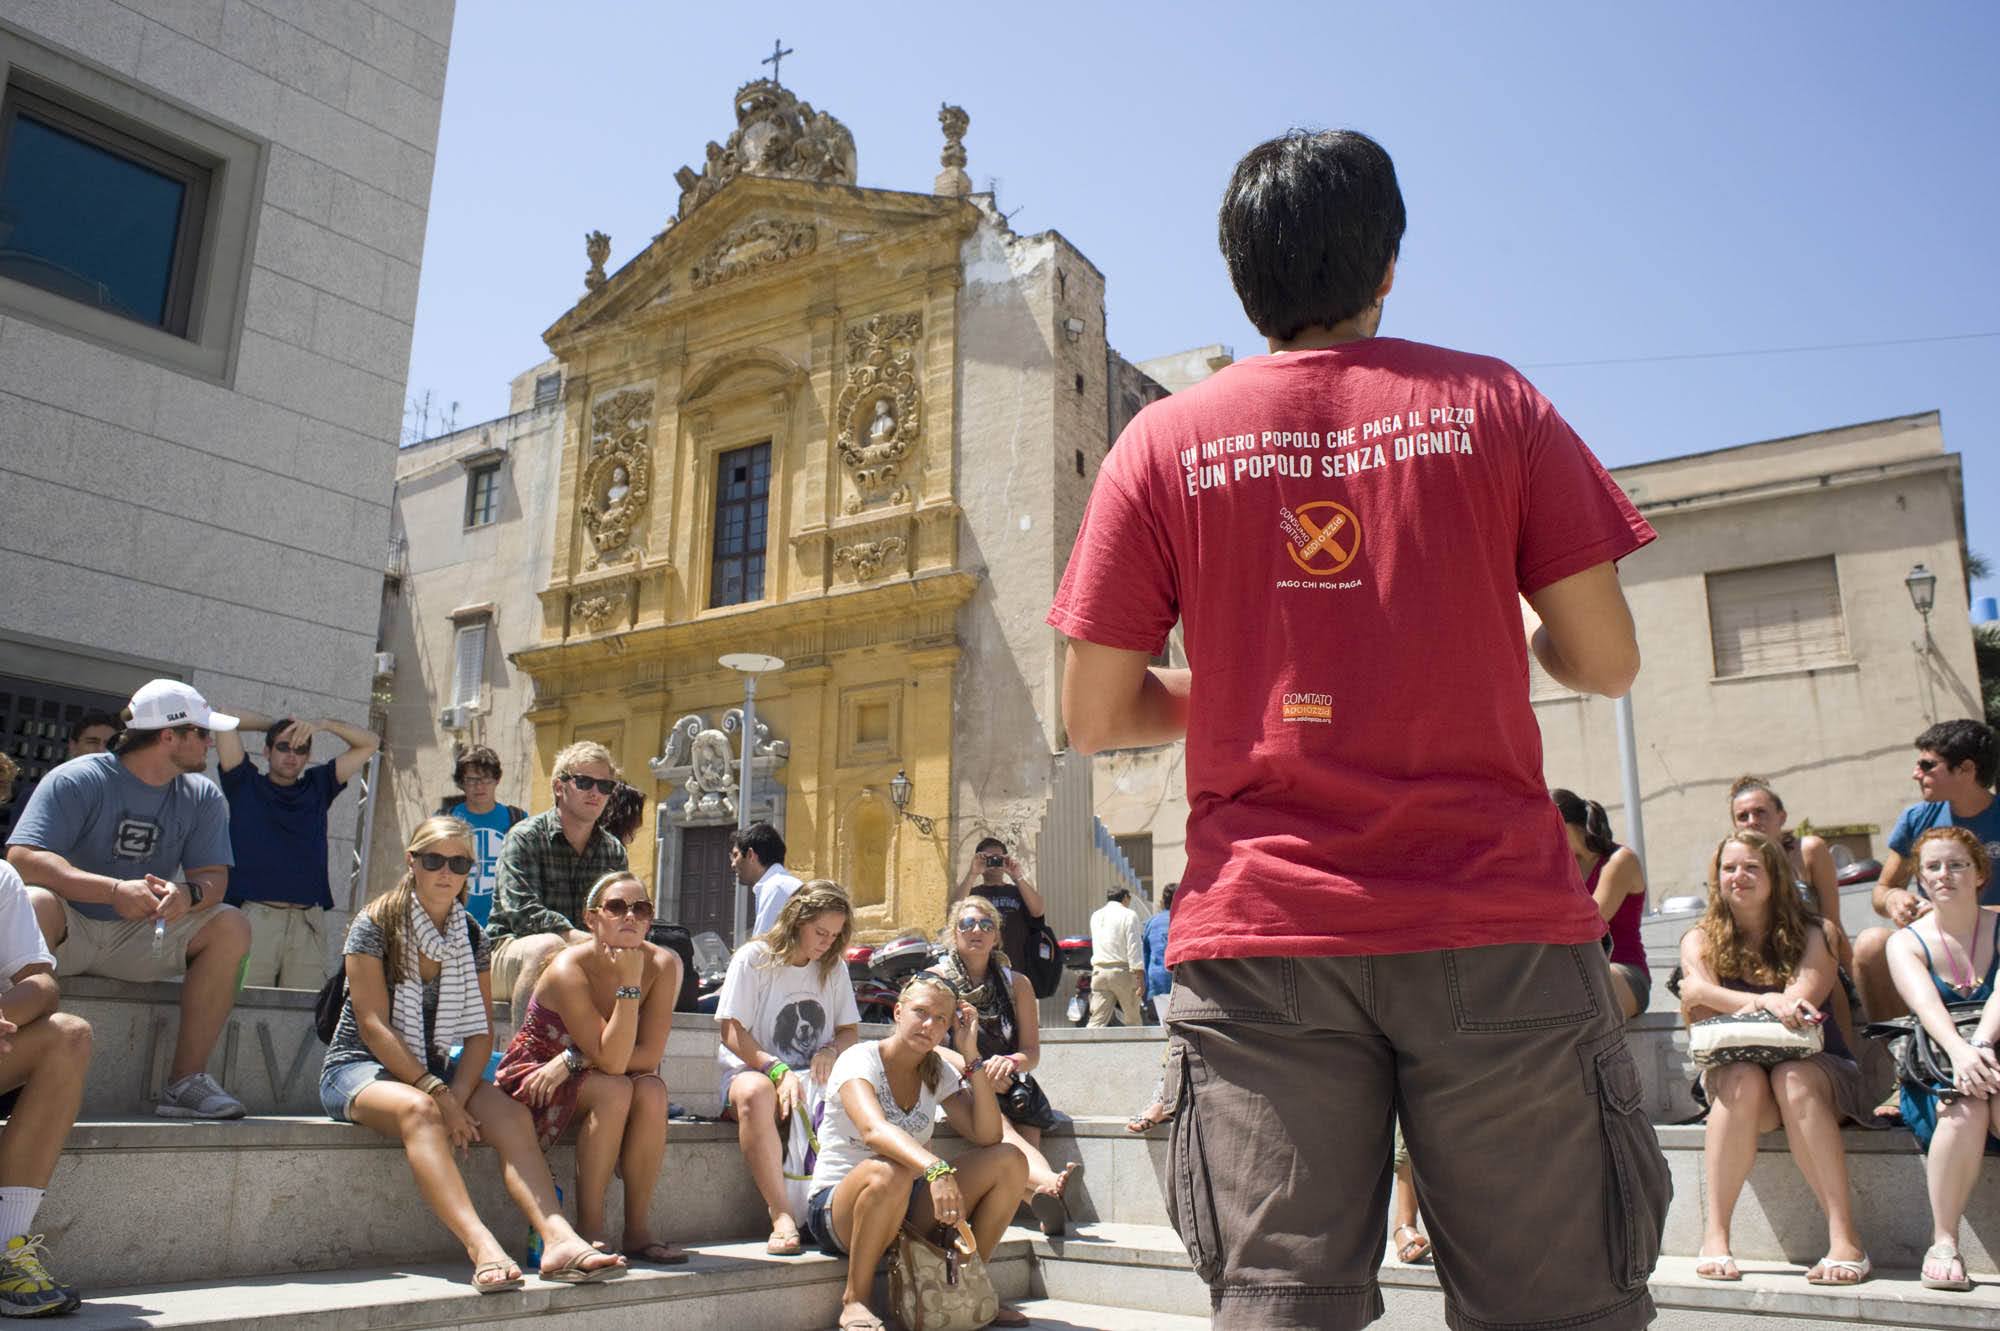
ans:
(778, 52)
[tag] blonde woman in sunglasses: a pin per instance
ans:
(588, 1050)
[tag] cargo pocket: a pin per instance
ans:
(1637, 1187)
(1191, 1196)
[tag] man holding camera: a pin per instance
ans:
(998, 876)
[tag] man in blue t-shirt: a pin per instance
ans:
(126, 855)
(277, 823)
(478, 776)
(1956, 764)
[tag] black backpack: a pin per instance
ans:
(1044, 963)
(333, 994)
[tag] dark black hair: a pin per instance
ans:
(762, 840)
(622, 812)
(478, 756)
(89, 719)
(276, 730)
(1588, 815)
(1118, 894)
(1964, 741)
(1167, 896)
(990, 843)
(1309, 225)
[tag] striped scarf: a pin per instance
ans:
(461, 1013)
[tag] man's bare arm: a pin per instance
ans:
(1586, 640)
(1113, 699)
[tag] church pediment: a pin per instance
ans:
(753, 228)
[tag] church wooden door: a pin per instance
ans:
(708, 883)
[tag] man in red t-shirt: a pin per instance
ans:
(1380, 914)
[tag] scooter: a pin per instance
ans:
(711, 966)
(876, 999)
(889, 966)
(1076, 957)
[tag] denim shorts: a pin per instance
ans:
(339, 1084)
(819, 1217)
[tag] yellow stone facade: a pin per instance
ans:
(786, 306)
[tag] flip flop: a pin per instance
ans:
(1725, 1266)
(778, 1246)
(1826, 1265)
(868, 1323)
(494, 1286)
(1416, 1240)
(574, 1272)
(1889, 1114)
(1152, 1116)
(657, 1254)
(1945, 1253)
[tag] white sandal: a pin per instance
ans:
(1720, 1260)
(1943, 1253)
(1828, 1265)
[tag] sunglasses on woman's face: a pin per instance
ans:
(430, 862)
(976, 924)
(641, 909)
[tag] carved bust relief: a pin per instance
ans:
(880, 408)
(616, 482)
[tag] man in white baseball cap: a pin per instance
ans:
(127, 858)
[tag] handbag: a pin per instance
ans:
(1044, 963)
(1920, 1064)
(1751, 1037)
(937, 1281)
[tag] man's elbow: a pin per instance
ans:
(1611, 670)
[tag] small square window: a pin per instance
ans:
(97, 215)
(482, 495)
(548, 389)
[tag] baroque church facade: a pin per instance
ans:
(853, 428)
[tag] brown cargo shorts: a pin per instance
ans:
(1539, 1175)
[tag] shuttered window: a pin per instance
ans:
(469, 664)
(1778, 617)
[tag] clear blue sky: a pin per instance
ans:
(1585, 182)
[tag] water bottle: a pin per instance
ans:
(533, 1262)
(159, 940)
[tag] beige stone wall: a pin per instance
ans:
(449, 566)
(234, 531)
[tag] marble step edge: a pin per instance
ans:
(434, 1294)
(1890, 1298)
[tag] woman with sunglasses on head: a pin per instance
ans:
(1010, 1045)
(416, 967)
(876, 1167)
(1952, 955)
(1756, 951)
(785, 1013)
(589, 1049)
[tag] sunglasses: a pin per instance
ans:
(303, 749)
(607, 784)
(1930, 764)
(430, 862)
(202, 731)
(477, 779)
(641, 909)
(976, 924)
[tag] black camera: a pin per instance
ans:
(995, 861)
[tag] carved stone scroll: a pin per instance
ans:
(761, 244)
(617, 476)
(870, 559)
(880, 408)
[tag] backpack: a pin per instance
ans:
(333, 994)
(1044, 963)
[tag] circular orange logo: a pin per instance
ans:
(1333, 538)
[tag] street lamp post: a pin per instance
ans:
(1922, 584)
(750, 665)
(899, 795)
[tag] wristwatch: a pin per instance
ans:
(193, 890)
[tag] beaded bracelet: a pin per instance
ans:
(629, 991)
(938, 1169)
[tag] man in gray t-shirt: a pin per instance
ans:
(126, 855)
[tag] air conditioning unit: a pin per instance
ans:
(455, 718)
(385, 664)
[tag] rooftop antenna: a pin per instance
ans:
(993, 187)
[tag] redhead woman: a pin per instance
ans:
(1756, 950)
(416, 985)
(1951, 955)
(876, 1167)
(589, 1048)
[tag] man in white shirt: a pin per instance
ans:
(757, 853)
(1117, 960)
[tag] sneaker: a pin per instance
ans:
(198, 1095)
(26, 1287)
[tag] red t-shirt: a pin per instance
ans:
(1344, 535)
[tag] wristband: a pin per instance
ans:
(629, 991)
(573, 1058)
(776, 1071)
(430, 1083)
(938, 1169)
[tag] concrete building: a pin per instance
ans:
(1779, 639)
(850, 427)
(214, 218)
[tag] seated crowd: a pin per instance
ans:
(126, 862)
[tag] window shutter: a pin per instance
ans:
(469, 669)
(1778, 617)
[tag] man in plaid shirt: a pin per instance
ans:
(547, 864)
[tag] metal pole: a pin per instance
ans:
(358, 880)
(1628, 767)
(743, 791)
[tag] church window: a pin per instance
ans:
(742, 494)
